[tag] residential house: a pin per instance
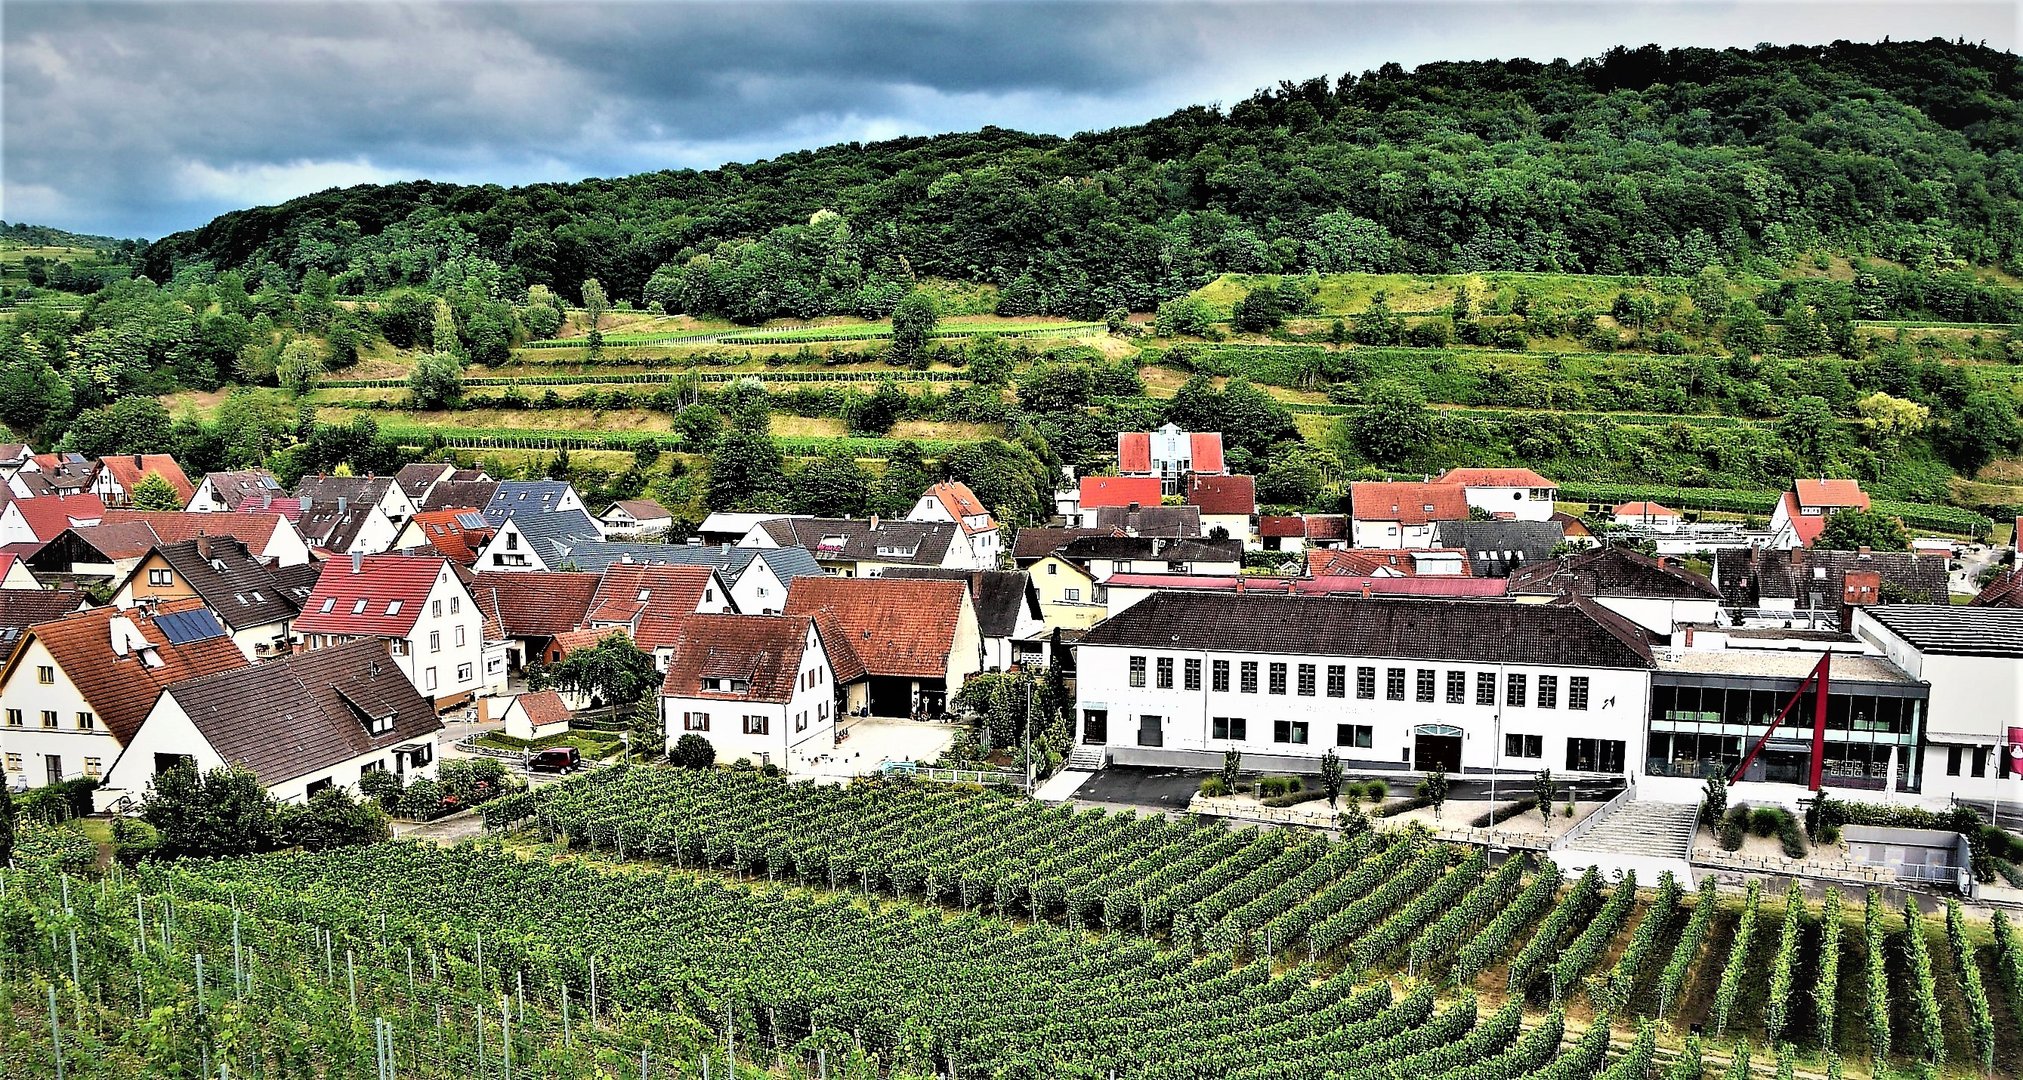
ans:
(1801, 513)
(1030, 545)
(345, 526)
(29, 523)
(1497, 548)
(77, 687)
(13, 457)
(898, 647)
(529, 610)
(119, 474)
(1643, 514)
(1227, 503)
(650, 602)
(461, 494)
(1821, 585)
(723, 527)
(758, 687)
(317, 492)
(88, 555)
(1168, 454)
(302, 724)
(864, 547)
(68, 473)
(1175, 522)
(1657, 594)
(1574, 531)
(23, 608)
(636, 517)
(456, 535)
(240, 589)
(1387, 683)
(267, 534)
(1070, 595)
(1972, 658)
(1507, 494)
(221, 491)
(418, 605)
(533, 496)
(757, 577)
(1297, 532)
(1106, 555)
(978, 535)
(535, 539)
(2005, 589)
(1387, 562)
(533, 716)
(1398, 514)
(1119, 492)
(419, 480)
(14, 573)
(1007, 613)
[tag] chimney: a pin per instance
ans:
(1366, 590)
(136, 461)
(357, 561)
(1689, 637)
(874, 523)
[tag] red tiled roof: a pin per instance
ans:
(255, 530)
(1100, 491)
(363, 604)
(129, 469)
(1281, 525)
(960, 502)
(570, 641)
(1223, 494)
(765, 649)
(117, 540)
(1407, 503)
(544, 707)
(896, 626)
(1830, 493)
(536, 604)
(1806, 527)
(643, 509)
(1569, 524)
(1644, 510)
(51, 514)
(442, 530)
(651, 600)
(1134, 452)
(1206, 454)
(1497, 478)
(1327, 526)
(121, 689)
(2005, 589)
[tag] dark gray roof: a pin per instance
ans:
(551, 533)
(1193, 549)
(1000, 596)
(787, 563)
(527, 496)
(231, 580)
(1570, 633)
(1039, 541)
(1748, 578)
(1954, 631)
(1151, 520)
(292, 716)
(461, 494)
(1612, 571)
(322, 526)
(1495, 548)
(921, 543)
(23, 608)
(319, 492)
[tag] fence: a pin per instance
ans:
(936, 774)
(1587, 824)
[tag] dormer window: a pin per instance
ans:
(380, 725)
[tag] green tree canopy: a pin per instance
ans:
(155, 493)
(612, 672)
(1853, 528)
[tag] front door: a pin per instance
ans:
(1436, 752)
(54, 764)
(1151, 731)
(1096, 727)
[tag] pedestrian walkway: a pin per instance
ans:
(1062, 786)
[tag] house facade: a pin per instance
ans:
(635, 517)
(255, 606)
(1801, 514)
(432, 626)
(1972, 658)
(1396, 514)
(758, 687)
(898, 647)
(978, 537)
(1169, 454)
(1514, 494)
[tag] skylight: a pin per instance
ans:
(393, 607)
(328, 603)
(359, 607)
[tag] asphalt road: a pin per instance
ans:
(1170, 789)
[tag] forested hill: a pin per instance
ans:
(1640, 161)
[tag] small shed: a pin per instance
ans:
(535, 716)
(1927, 856)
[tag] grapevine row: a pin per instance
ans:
(1673, 979)
(1738, 957)
(1924, 989)
(1481, 952)
(1593, 941)
(1574, 907)
(1611, 992)
(1826, 986)
(1980, 1018)
(1777, 1011)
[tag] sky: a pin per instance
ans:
(143, 117)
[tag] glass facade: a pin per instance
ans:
(1702, 725)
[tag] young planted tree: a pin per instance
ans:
(595, 304)
(1232, 765)
(1331, 775)
(1543, 787)
(1434, 788)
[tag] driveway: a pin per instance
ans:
(1170, 789)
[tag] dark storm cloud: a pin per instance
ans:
(138, 118)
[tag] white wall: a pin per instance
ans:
(1515, 501)
(800, 732)
(1660, 616)
(30, 746)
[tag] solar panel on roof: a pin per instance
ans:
(472, 519)
(183, 627)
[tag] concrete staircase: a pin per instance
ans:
(1084, 758)
(1648, 837)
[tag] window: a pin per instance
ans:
(1278, 679)
(358, 606)
(1358, 735)
(49, 719)
(463, 673)
(14, 718)
(1191, 675)
(94, 767)
(1513, 694)
(1165, 673)
(1366, 683)
(318, 787)
(1457, 688)
(428, 678)
(695, 721)
(1394, 684)
(87, 722)
(1306, 680)
(393, 607)
(512, 541)
(1548, 691)
(161, 577)
(1524, 746)
(1980, 761)
(1137, 671)
(435, 641)
(1052, 569)
(328, 603)
(1594, 755)
(1485, 688)
(1073, 596)
(1220, 676)
(454, 605)
(755, 725)
(399, 646)
(1338, 681)
(1424, 691)
(1229, 727)
(1576, 692)
(45, 675)
(460, 637)
(14, 763)
(801, 720)
(1249, 677)
(1293, 732)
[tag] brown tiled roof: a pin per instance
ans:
(22, 608)
(1171, 521)
(2005, 589)
(766, 649)
(1000, 596)
(642, 509)
(1572, 633)
(651, 600)
(544, 707)
(1368, 562)
(1746, 579)
(460, 493)
(1038, 542)
(235, 489)
(893, 626)
(232, 580)
(1501, 478)
(121, 689)
(290, 717)
(535, 604)
(449, 533)
(254, 529)
(1612, 571)
(124, 540)
(1223, 494)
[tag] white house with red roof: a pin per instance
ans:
(1228, 503)
(756, 686)
(418, 606)
(1509, 494)
(978, 542)
(37, 521)
(1643, 514)
(1801, 513)
(119, 474)
(1170, 454)
(1398, 514)
(1124, 492)
(650, 603)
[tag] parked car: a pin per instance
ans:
(556, 759)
